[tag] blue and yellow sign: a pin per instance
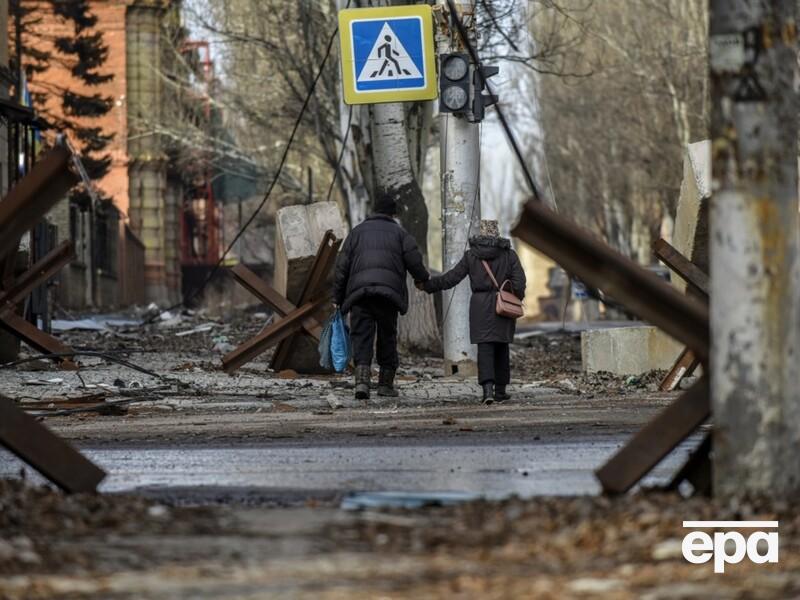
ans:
(387, 54)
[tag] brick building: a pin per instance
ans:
(145, 193)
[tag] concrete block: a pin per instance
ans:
(627, 350)
(299, 232)
(690, 236)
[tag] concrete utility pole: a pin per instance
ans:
(755, 289)
(461, 208)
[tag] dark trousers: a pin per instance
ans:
(494, 363)
(374, 315)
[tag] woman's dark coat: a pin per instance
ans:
(485, 325)
(373, 263)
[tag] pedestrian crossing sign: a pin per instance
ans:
(387, 54)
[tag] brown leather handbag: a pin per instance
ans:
(507, 304)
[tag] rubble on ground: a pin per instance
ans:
(555, 547)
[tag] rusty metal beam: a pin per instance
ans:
(260, 289)
(684, 366)
(38, 274)
(36, 338)
(682, 266)
(698, 282)
(53, 457)
(656, 439)
(271, 335)
(324, 261)
(321, 267)
(696, 470)
(581, 253)
(27, 202)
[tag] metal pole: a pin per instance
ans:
(461, 212)
(755, 288)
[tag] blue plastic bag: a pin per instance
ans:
(340, 343)
(325, 359)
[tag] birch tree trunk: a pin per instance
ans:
(394, 175)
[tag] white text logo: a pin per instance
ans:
(730, 546)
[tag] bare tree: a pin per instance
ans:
(615, 137)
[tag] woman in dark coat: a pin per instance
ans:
(491, 332)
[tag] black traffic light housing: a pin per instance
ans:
(454, 83)
(480, 100)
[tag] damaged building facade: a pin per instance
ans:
(133, 249)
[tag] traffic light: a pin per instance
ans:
(454, 83)
(480, 100)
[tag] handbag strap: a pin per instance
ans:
(489, 272)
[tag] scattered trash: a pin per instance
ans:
(567, 384)
(199, 329)
(333, 401)
(222, 344)
(94, 323)
(169, 320)
(407, 500)
(283, 407)
(449, 421)
(53, 381)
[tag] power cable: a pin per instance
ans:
(512, 140)
(462, 32)
(91, 353)
(189, 297)
(341, 154)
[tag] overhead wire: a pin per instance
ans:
(476, 196)
(295, 127)
(512, 140)
(341, 153)
(462, 32)
(90, 353)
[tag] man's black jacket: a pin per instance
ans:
(373, 262)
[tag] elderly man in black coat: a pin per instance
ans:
(370, 284)
(490, 331)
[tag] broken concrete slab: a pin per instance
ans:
(300, 230)
(627, 350)
(690, 236)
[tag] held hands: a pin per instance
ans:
(420, 285)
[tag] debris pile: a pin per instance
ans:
(32, 515)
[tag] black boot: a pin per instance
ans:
(500, 393)
(386, 383)
(488, 392)
(363, 375)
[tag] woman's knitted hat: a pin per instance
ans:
(489, 228)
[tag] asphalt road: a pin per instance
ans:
(293, 472)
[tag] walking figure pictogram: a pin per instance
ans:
(388, 53)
